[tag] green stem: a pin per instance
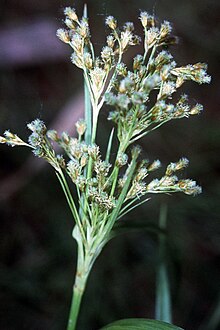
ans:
(116, 172)
(88, 113)
(74, 310)
(125, 211)
(84, 262)
(122, 148)
(163, 298)
(78, 291)
(94, 122)
(148, 131)
(70, 201)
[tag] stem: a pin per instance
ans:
(121, 198)
(84, 262)
(94, 122)
(125, 211)
(148, 131)
(163, 310)
(70, 201)
(122, 148)
(88, 113)
(114, 73)
(74, 310)
(78, 291)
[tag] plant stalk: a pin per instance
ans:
(84, 263)
(163, 297)
(78, 291)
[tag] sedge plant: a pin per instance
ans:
(108, 186)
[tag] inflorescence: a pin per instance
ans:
(101, 186)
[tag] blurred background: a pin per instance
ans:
(37, 252)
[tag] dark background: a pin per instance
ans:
(37, 254)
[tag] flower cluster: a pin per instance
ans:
(12, 139)
(96, 69)
(170, 182)
(142, 102)
(41, 146)
(133, 113)
(107, 187)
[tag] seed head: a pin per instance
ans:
(2, 139)
(70, 23)
(141, 174)
(135, 152)
(65, 138)
(138, 60)
(154, 166)
(93, 151)
(110, 41)
(88, 61)
(153, 185)
(73, 169)
(111, 22)
(122, 101)
(168, 88)
(189, 187)
(12, 139)
(39, 152)
(121, 69)
(77, 151)
(77, 44)
(52, 134)
(106, 54)
(165, 29)
(102, 168)
(146, 19)
(83, 29)
(37, 126)
(138, 98)
(196, 109)
(84, 159)
(61, 161)
(152, 36)
(63, 35)
(137, 189)
(121, 160)
(129, 26)
(126, 85)
(35, 139)
(81, 183)
(80, 126)
(71, 13)
(97, 78)
(182, 163)
(77, 60)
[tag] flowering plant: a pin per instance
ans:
(107, 186)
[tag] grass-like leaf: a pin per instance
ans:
(108, 152)
(140, 324)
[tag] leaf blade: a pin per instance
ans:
(140, 324)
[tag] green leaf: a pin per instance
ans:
(107, 157)
(140, 324)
